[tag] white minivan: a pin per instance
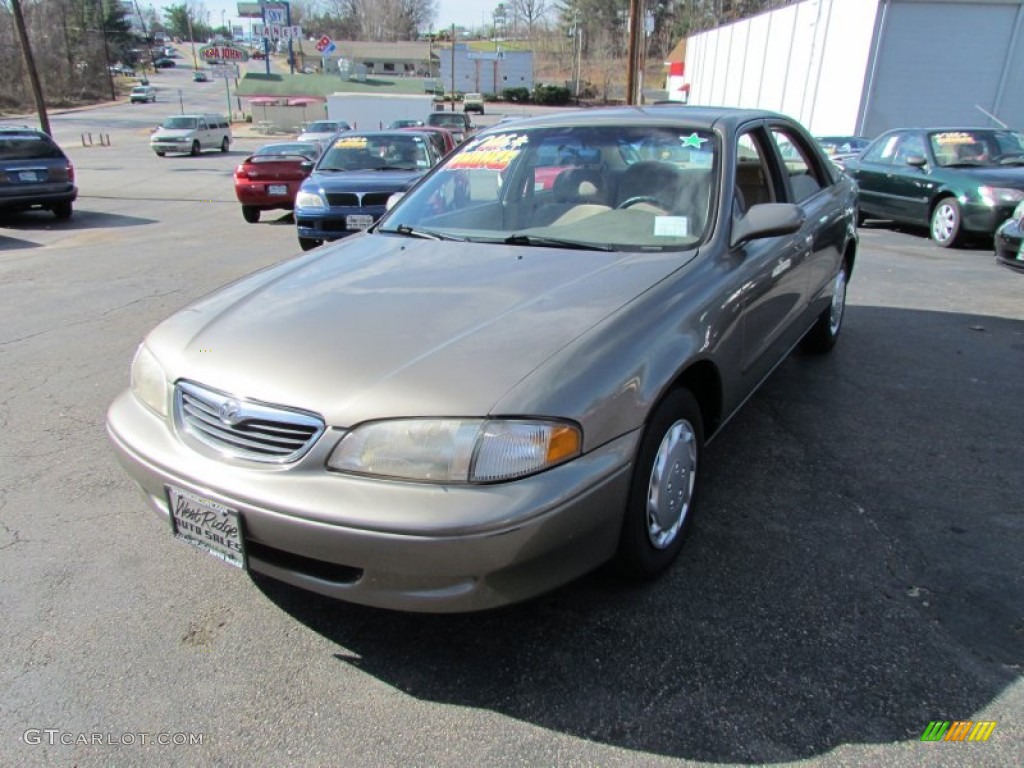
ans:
(192, 134)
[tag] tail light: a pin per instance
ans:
(71, 172)
(240, 172)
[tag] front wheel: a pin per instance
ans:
(224, 144)
(250, 213)
(195, 148)
(308, 243)
(663, 493)
(945, 224)
(825, 331)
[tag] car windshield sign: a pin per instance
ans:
(977, 147)
(619, 188)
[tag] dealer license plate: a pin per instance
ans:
(360, 221)
(278, 189)
(204, 523)
(27, 176)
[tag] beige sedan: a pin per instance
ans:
(510, 379)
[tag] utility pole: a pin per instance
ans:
(633, 55)
(30, 65)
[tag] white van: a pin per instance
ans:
(191, 134)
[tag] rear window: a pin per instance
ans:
(28, 146)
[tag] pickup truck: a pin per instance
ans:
(473, 102)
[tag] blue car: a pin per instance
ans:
(349, 188)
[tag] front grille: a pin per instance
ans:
(376, 198)
(339, 199)
(243, 428)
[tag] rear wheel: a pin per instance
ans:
(945, 224)
(250, 213)
(664, 488)
(825, 331)
(308, 243)
(62, 210)
(195, 148)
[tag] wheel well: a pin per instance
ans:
(850, 256)
(703, 380)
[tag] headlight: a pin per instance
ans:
(1000, 195)
(148, 380)
(456, 450)
(308, 200)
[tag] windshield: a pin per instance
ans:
(624, 188)
(27, 146)
(324, 126)
(447, 118)
(977, 148)
(179, 123)
(384, 152)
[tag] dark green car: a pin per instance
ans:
(954, 181)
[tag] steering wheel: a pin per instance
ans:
(629, 201)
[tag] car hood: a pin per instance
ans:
(1002, 176)
(383, 326)
(173, 133)
(361, 181)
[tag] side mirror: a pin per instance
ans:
(917, 161)
(392, 200)
(767, 220)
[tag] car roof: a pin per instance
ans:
(708, 118)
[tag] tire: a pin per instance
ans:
(250, 213)
(825, 331)
(195, 148)
(224, 144)
(308, 243)
(945, 223)
(663, 493)
(160, 154)
(63, 210)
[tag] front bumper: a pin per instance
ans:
(185, 145)
(332, 223)
(399, 545)
(984, 219)
(1009, 244)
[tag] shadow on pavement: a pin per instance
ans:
(81, 219)
(855, 572)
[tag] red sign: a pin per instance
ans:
(223, 53)
(323, 43)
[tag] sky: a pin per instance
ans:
(464, 13)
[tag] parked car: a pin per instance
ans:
(143, 93)
(396, 124)
(955, 181)
(1009, 240)
(493, 391)
(270, 177)
(457, 122)
(35, 172)
(442, 137)
(323, 131)
(164, 63)
(191, 134)
(841, 148)
(473, 102)
(351, 183)
(199, 76)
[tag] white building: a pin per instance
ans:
(485, 71)
(864, 66)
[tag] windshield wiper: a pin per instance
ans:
(426, 234)
(554, 242)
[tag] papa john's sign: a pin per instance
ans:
(223, 53)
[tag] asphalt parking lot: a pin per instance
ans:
(856, 572)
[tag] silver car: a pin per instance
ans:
(511, 378)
